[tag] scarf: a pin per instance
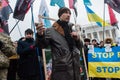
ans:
(67, 31)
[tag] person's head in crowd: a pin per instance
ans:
(108, 41)
(28, 33)
(87, 41)
(94, 42)
(64, 14)
(101, 44)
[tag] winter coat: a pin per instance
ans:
(28, 62)
(65, 63)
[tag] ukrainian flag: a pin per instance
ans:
(92, 17)
(104, 64)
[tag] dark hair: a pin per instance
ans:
(63, 10)
(86, 40)
(28, 31)
(94, 40)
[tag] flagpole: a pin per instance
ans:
(44, 63)
(43, 17)
(77, 27)
(104, 21)
(14, 27)
(44, 57)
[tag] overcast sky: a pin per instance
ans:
(97, 7)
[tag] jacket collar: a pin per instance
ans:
(58, 28)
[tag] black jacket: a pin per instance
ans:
(28, 64)
(65, 63)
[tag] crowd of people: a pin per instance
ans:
(95, 43)
(65, 45)
(86, 43)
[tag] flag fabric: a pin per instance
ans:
(72, 5)
(87, 2)
(92, 17)
(4, 15)
(60, 3)
(113, 19)
(115, 4)
(43, 11)
(21, 8)
(5, 27)
(47, 22)
(4, 3)
(6, 10)
(1, 30)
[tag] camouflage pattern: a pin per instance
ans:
(3, 74)
(4, 61)
(7, 50)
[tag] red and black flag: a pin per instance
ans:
(21, 8)
(6, 9)
(113, 20)
(4, 15)
(72, 5)
(115, 4)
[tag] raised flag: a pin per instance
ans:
(60, 3)
(115, 4)
(43, 11)
(1, 30)
(92, 17)
(6, 10)
(72, 5)
(21, 8)
(87, 2)
(113, 20)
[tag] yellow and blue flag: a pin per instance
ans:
(104, 64)
(92, 17)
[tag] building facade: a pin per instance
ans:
(99, 33)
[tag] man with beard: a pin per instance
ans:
(28, 64)
(65, 47)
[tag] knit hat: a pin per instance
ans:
(63, 10)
